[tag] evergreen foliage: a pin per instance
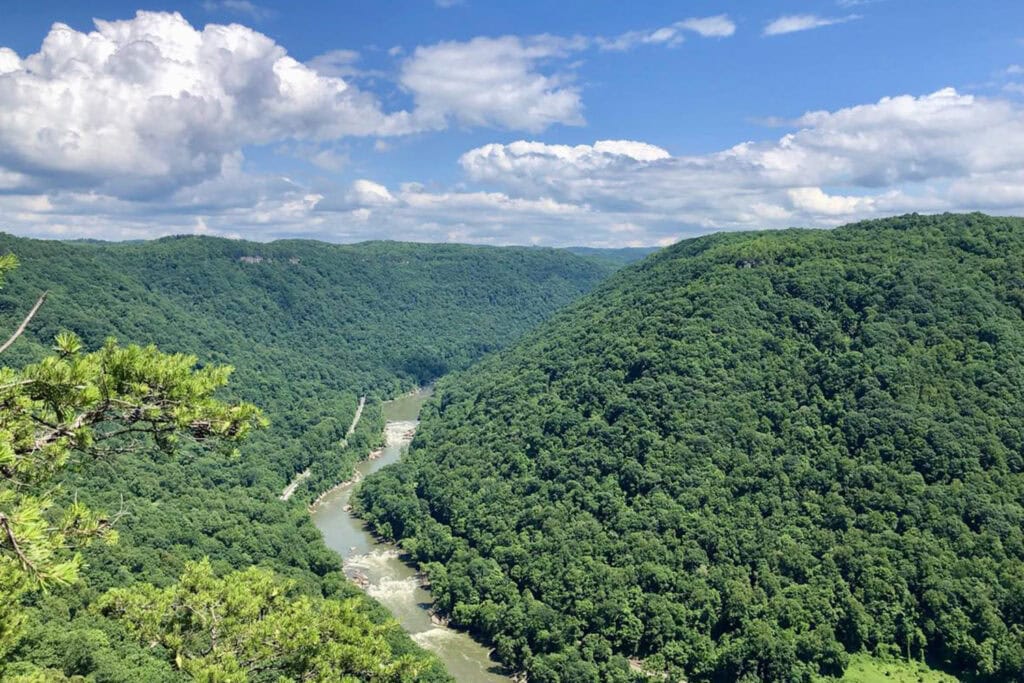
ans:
(309, 327)
(251, 626)
(71, 403)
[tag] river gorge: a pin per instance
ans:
(377, 568)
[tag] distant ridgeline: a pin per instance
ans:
(309, 327)
(620, 257)
(742, 459)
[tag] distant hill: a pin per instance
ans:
(620, 257)
(309, 328)
(742, 459)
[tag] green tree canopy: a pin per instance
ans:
(743, 459)
(74, 402)
(253, 626)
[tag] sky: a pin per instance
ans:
(547, 122)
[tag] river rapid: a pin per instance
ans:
(377, 568)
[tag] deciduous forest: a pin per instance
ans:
(308, 328)
(747, 458)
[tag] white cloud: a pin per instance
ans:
(143, 107)
(943, 151)
(523, 163)
(627, 41)
(367, 193)
(497, 82)
(814, 201)
(803, 22)
(719, 26)
(335, 63)
(9, 60)
(151, 104)
(938, 152)
(139, 129)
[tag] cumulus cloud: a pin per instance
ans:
(498, 82)
(147, 105)
(140, 128)
(335, 63)
(536, 167)
(142, 107)
(937, 152)
(366, 193)
(231, 204)
(718, 26)
(803, 22)
(944, 151)
(9, 60)
(411, 212)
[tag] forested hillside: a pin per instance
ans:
(742, 459)
(620, 257)
(308, 327)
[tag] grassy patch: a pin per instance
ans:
(867, 669)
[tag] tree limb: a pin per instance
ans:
(24, 323)
(5, 522)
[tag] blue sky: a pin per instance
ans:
(603, 123)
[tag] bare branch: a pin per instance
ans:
(86, 418)
(19, 383)
(5, 523)
(24, 323)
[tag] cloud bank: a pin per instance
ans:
(141, 128)
(936, 152)
(943, 151)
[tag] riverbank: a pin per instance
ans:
(397, 434)
(354, 479)
(377, 567)
(293, 485)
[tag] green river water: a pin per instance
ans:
(392, 582)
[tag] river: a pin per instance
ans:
(392, 582)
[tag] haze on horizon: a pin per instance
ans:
(577, 124)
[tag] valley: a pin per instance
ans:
(697, 467)
(309, 328)
(376, 566)
(748, 457)
(449, 341)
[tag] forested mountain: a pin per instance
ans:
(309, 327)
(621, 257)
(742, 459)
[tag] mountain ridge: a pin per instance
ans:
(747, 456)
